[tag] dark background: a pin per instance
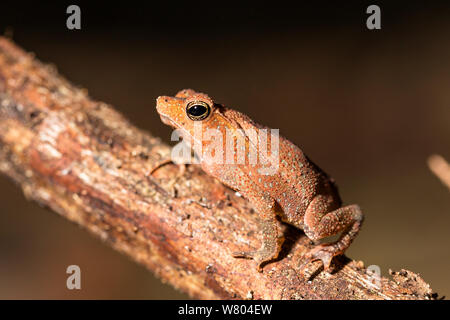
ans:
(368, 106)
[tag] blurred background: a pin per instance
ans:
(368, 107)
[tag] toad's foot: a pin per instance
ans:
(325, 253)
(268, 252)
(258, 256)
(162, 163)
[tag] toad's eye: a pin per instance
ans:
(198, 110)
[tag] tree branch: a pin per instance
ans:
(83, 160)
(439, 166)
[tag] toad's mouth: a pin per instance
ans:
(166, 120)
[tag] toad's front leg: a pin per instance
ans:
(272, 241)
(319, 225)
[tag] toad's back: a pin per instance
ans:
(292, 180)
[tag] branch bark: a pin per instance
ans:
(85, 161)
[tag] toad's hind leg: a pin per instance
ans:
(269, 227)
(320, 224)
